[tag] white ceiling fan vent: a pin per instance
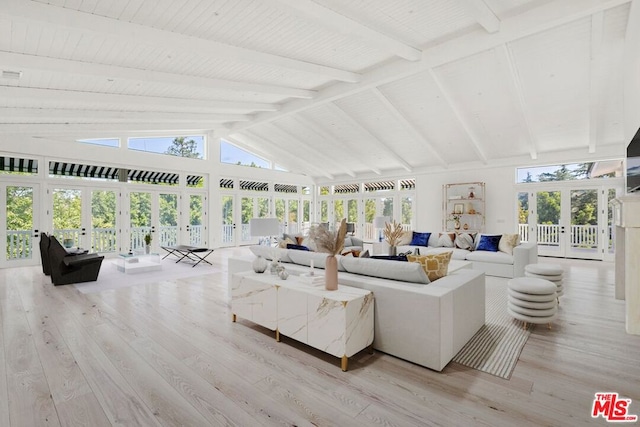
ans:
(13, 75)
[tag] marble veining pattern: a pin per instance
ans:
(337, 322)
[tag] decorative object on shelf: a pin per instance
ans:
(331, 242)
(147, 243)
(465, 226)
(259, 264)
(463, 203)
(472, 193)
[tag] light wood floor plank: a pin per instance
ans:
(167, 353)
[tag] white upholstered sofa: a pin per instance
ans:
(426, 324)
(498, 264)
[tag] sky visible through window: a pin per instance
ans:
(162, 144)
(229, 153)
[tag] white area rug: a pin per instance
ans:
(111, 278)
(496, 347)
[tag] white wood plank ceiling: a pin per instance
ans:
(333, 89)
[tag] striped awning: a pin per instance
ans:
(193, 180)
(86, 171)
(408, 184)
(285, 188)
(226, 183)
(15, 164)
(380, 185)
(153, 177)
(346, 188)
(254, 185)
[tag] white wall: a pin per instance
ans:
(632, 74)
(501, 213)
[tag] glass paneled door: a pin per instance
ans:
(85, 218)
(252, 207)
(19, 225)
(228, 226)
(571, 222)
(196, 229)
(154, 213)
(287, 214)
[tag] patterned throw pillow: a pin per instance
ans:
(285, 242)
(508, 242)
(489, 243)
(420, 239)
(445, 240)
(465, 241)
(435, 265)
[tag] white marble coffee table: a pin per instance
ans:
(339, 322)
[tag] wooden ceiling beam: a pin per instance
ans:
(482, 13)
(259, 144)
(456, 112)
(70, 115)
(544, 17)
(595, 78)
(91, 98)
(518, 94)
(41, 13)
(289, 138)
(102, 128)
(335, 21)
(406, 123)
(346, 149)
(39, 63)
(375, 141)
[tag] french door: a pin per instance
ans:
(195, 229)
(19, 224)
(287, 212)
(155, 213)
(85, 217)
(569, 222)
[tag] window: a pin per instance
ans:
(233, 155)
(181, 146)
(107, 142)
(569, 172)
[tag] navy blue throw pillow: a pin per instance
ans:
(488, 243)
(298, 247)
(420, 239)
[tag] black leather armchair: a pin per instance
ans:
(44, 253)
(67, 268)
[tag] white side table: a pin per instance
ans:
(339, 322)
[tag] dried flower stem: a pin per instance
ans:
(392, 233)
(331, 242)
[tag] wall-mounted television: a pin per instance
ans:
(633, 164)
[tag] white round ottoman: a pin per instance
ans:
(532, 300)
(551, 272)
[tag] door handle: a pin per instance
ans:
(562, 229)
(83, 233)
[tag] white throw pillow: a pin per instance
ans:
(445, 240)
(508, 242)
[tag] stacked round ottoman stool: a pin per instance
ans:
(550, 272)
(532, 300)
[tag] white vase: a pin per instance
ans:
(259, 264)
(147, 249)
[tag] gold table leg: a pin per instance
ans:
(233, 318)
(277, 335)
(344, 364)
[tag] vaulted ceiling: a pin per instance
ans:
(333, 89)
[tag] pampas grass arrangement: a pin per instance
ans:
(392, 232)
(331, 242)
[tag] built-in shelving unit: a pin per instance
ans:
(463, 206)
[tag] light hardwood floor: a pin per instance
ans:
(168, 354)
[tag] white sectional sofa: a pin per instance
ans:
(498, 264)
(424, 323)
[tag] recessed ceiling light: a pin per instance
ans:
(13, 75)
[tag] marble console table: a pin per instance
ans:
(339, 322)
